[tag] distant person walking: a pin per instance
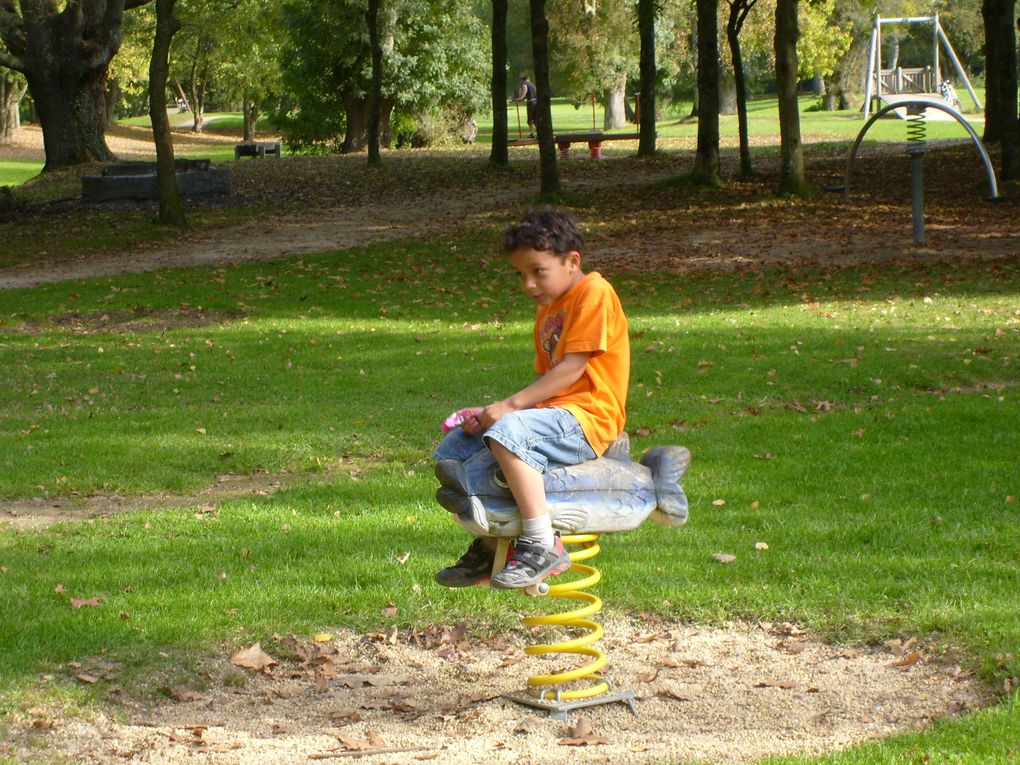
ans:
(529, 94)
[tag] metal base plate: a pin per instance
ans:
(559, 710)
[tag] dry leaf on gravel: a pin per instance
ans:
(581, 734)
(253, 658)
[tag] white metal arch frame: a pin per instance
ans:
(922, 104)
(873, 85)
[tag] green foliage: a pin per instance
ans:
(435, 59)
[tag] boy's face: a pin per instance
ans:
(544, 275)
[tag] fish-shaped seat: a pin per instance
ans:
(602, 496)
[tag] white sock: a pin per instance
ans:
(539, 530)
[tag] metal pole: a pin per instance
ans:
(917, 190)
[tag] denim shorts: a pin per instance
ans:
(539, 437)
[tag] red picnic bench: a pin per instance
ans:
(593, 138)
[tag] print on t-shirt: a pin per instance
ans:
(550, 335)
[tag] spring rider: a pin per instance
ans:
(602, 496)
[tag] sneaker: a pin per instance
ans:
(473, 567)
(530, 563)
(499, 479)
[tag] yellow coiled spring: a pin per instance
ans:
(576, 619)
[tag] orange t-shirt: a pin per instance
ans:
(588, 318)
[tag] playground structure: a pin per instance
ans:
(915, 84)
(917, 147)
(606, 495)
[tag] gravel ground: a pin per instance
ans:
(728, 694)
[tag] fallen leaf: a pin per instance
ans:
(581, 734)
(180, 693)
(253, 658)
(92, 602)
(718, 502)
(724, 557)
(908, 660)
(376, 681)
(761, 545)
(390, 609)
(528, 725)
(323, 637)
(402, 559)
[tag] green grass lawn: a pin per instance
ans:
(864, 422)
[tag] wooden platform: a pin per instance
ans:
(932, 114)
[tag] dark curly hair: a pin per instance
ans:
(545, 230)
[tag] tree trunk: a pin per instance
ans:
(1010, 139)
(734, 24)
(499, 153)
(250, 113)
(170, 210)
(1001, 120)
(791, 173)
(615, 113)
(727, 92)
(12, 90)
(197, 85)
(543, 112)
(356, 113)
(375, 91)
(112, 94)
(64, 51)
(706, 158)
(646, 111)
(993, 116)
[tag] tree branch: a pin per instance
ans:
(11, 61)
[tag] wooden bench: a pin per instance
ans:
(593, 138)
(257, 149)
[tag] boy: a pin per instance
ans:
(571, 413)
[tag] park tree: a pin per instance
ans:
(550, 178)
(12, 89)
(246, 69)
(171, 211)
(435, 64)
(706, 157)
(64, 51)
(792, 179)
(1001, 120)
(735, 18)
(596, 51)
(375, 88)
(647, 10)
(499, 153)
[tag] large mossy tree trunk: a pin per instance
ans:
(356, 110)
(499, 153)
(706, 157)
(646, 110)
(543, 113)
(791, 173)
(64, 51)
(171, 212)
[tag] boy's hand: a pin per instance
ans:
(488, 416)
(466, 419)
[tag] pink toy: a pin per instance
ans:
(457, 418)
